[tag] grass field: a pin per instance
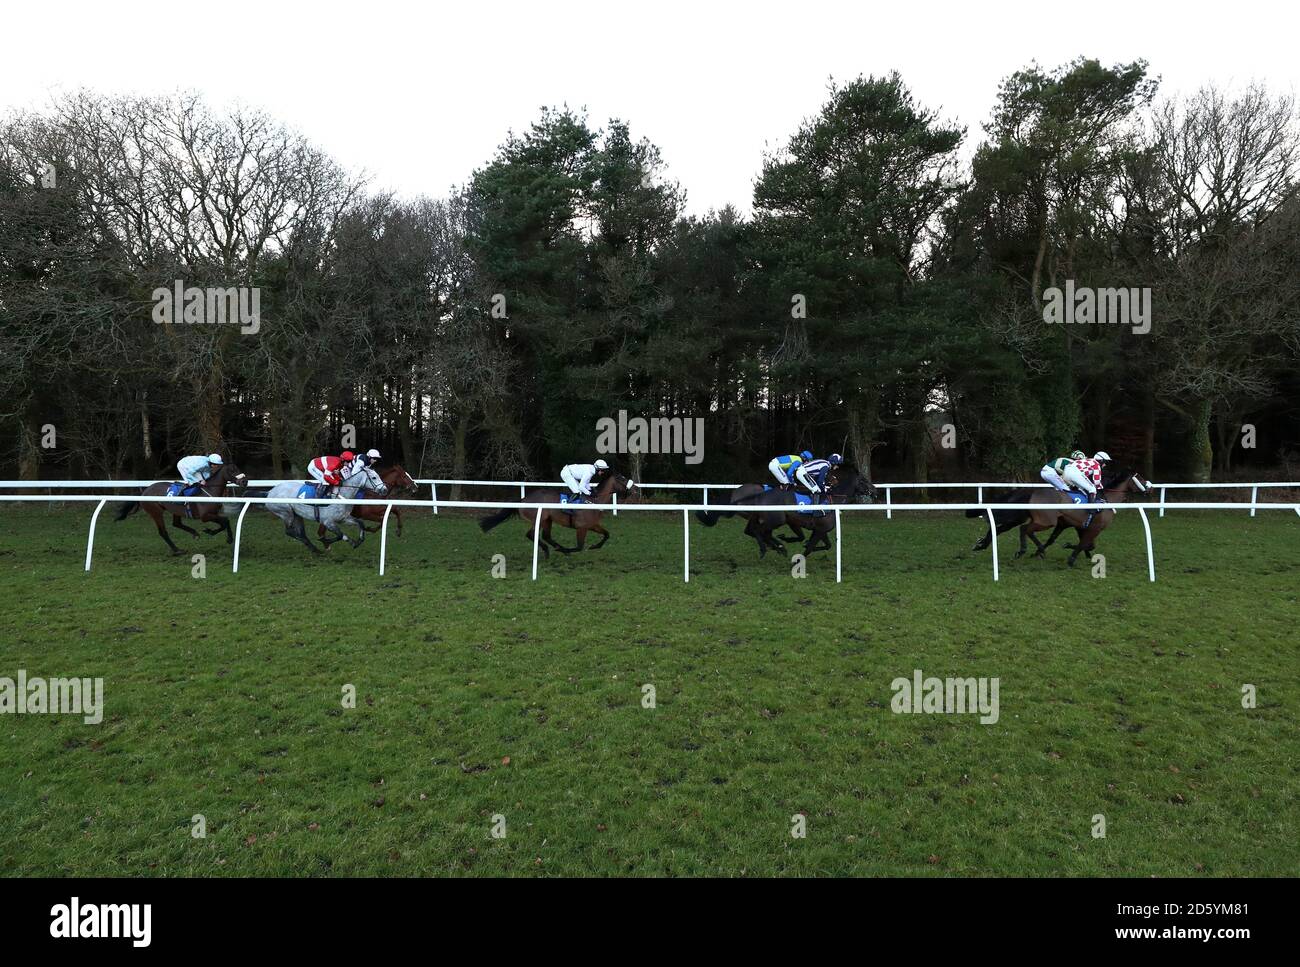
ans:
(479, 697)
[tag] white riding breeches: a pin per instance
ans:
(1075, 478)
(573, 483)
(1049, 474)
(778, 472)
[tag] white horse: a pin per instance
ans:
(332, 515)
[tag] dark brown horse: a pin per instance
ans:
(1115, 488)
(399, 484)
(843, 486)
(227, 475)
(584, 519)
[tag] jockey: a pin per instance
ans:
(1086, 475)
(785, 468)
(197, 469)
(578, 478)
(1052, 470)
(359, 462)
(812, 474)
(328, 471)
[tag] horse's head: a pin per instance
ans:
(850, 486)
(230, 474)
(398, 480)
(366, 479)
(617, 484)
(1123, 481)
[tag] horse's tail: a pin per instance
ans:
(126, 510)
(500, 517)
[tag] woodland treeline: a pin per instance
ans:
(484, 333)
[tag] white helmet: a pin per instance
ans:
(1101, 456)
(601, 465)
(372, 454)
(214, 458)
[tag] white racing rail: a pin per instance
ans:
(523, 485)
(684, 509)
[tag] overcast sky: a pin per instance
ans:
(420, 94)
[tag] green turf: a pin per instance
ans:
(480, 696)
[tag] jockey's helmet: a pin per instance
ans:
(601, 465)
(1078, 455)
(807, 454)
(215, 458)
(347, 456)
(835, 459)
(1101, 456)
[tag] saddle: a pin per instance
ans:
(805, 500)
(179, 489)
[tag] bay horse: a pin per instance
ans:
(228, 474)
(583, 518)
(1120, 485)
(399, 484)
(843, 486)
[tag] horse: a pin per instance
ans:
(1120, 485)
(843, 485)
(332, 515)
(399, 484)
(1005, 518)
(583, 518)
(227, 474)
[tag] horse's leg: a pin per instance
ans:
(178, 523)
(397, 512)
(548, 539)
(798, 532)
(1061, 525)
(153, 511)
(293, 527)
(546, 551)
(1024, 534)
(604, 536)
(752, 530)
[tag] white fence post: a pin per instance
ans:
(686, 545)
(521, 491)
(537, 538)
(706, 496)
(993, 529)
(838, 569)
(1151, 554)
(383, 539)
(889, 499)
(90, 541)
(1162, 501)
(1254, 492)
(979, 495)
(435, 497)
(614, 500)
(239, 531)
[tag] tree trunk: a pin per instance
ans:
(1200, 452)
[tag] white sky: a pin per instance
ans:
(420, 94)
